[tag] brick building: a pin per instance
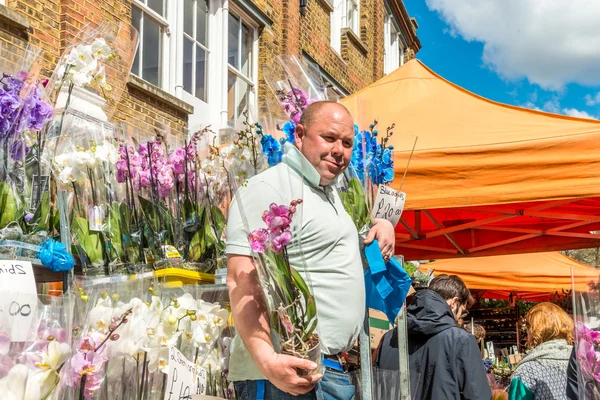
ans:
(200, 62)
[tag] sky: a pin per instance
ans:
(540, 54)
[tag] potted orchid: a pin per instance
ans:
(293, 308)
(372, 164)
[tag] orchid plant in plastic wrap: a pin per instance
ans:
(244, 154)
(371, 165)
(586, 313)
(31, 364)
(122, 347)
(24, 112)
(293, 307)
(290, 81)
(86, 87)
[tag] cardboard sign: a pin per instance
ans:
(181, 383)
(18, 302)
(388, 204)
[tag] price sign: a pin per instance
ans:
(18, 302)
(388, 204)
(181, 383)
(200, 381)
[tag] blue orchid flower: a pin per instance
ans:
(272, 149)
(290, 130)
(372, 157)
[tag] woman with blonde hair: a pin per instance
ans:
(542, 374)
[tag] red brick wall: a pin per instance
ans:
(53, 26)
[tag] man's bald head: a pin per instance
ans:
(312, 113)
(325, 136)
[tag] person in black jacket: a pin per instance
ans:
(445, 362)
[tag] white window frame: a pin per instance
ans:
(164, 47)
(355, 23)
(339, 20)
(252, 80)
(213, 111)
(184, 36)
(393, 44)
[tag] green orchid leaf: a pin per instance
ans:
(115, 232)
(41, 218)
(89, 241)
(9, 204)
(354, 201)
(196, 247)
(149, 214)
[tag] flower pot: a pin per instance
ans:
(313, 354)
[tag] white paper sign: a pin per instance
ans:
(388, 204)
(18, 299)
(181, 383)
(201, 381)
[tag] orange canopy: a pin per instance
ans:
(485, 178)
(532, 276)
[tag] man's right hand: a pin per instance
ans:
(280, 370)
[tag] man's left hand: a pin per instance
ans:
(383, 231)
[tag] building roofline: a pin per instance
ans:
(406, 24)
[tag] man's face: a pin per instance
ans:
(328, 141)
(459, 310)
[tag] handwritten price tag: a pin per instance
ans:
(201, 381)
(388, 204)
(18, 303)
(181, 383)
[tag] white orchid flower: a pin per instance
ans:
(52, 360)
(19, 384)
(80, 57)
(158, 359)
(100, 49)
(245, 155)
(100, 76)
(107, 152)
(71, 174)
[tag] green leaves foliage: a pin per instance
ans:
(355, 203)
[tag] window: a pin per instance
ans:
(202, 52)
(149, 17)
(393, 46)
(240, 87)
(352, 15)
(345, 15)
(195, 47)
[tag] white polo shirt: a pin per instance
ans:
(329, 244)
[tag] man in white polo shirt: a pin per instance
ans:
(331, 252)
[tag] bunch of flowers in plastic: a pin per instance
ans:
(84, 65)
(294, 101)
(148, 167)
(588, 353)
(371, 157)
(272, 147)
(18, 114)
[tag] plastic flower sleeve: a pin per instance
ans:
(30, 365)
(18, 74)
(267, 224)
(295, 83)
(586, 313)
(89, 76)
(82, 163)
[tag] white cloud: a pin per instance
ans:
(576, 113)
(592, 100)
(531, 105)
(548, 42)
(552, 105)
